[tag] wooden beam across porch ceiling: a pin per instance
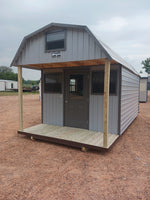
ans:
(106, 103)
(81, 63)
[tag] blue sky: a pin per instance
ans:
(122, 25)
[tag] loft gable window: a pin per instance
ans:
(55, 40)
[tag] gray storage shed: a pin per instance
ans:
(149, 82)
(143, 89)
(90, 95)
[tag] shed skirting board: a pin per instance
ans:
(129, 98)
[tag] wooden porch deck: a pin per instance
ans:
(69, 136)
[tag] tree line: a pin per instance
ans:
(146, 65)
(7, 73)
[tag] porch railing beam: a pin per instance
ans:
(20, 98)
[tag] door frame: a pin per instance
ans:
(76, 71)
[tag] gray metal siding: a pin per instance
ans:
(53, 109)
(143, 90)
(96, 113)
(96, 106)
(129, 98)
(80, 45)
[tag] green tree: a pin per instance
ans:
(6, 73)
(146, 65)
(31, 82)
(5, 69)
(141, 72)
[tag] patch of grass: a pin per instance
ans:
(27, 85)
(11, 93)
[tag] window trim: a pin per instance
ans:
(73, 94)
(52, 92)
(59, 49)
(110, 94)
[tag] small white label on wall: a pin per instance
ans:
(56, 54)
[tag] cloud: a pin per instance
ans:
(123, 25)
(131, 26)
(128, 36)
(113, 24)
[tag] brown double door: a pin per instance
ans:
(76, 99)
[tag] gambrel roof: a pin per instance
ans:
(108, 52)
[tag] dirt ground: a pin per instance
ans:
(37, 170)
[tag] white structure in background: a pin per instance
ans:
(149, 82)
(40, 89)
(7, 85)
(143, 89)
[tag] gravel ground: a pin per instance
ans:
(37, 170)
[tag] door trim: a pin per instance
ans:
(76, 71)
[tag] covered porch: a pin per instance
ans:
(75, 137)
(65, 135)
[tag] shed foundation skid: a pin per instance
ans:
(69, 136)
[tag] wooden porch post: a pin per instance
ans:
(20, 98)
(106, 103)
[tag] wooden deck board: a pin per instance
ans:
(75, 136)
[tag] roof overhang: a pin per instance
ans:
(81, 63)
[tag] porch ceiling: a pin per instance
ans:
(82, 63)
